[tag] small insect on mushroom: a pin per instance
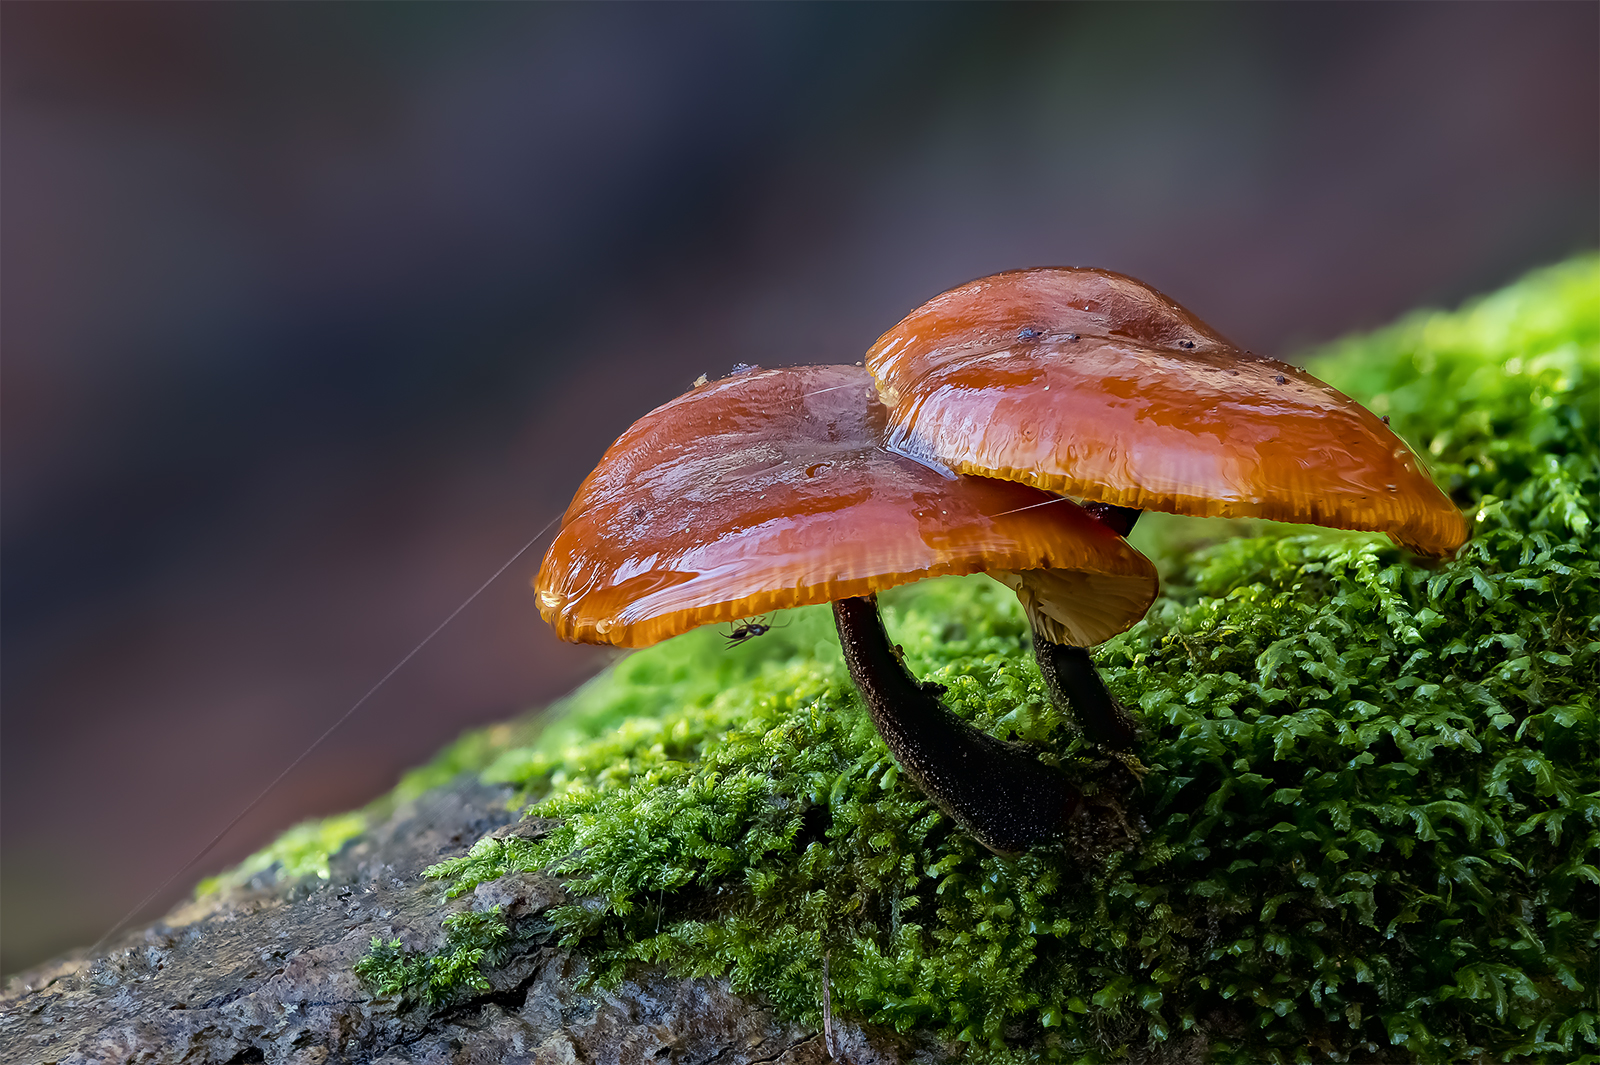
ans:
(749, 629)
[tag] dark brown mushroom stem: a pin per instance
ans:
(1075, 685)
(1069, 674)
(999, 791)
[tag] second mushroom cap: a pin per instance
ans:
(1092, 384)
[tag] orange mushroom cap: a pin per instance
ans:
(771, 489)
(1094, 385)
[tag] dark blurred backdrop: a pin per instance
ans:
(313, 314)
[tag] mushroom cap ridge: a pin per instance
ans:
(1094, 385)
(772, 489)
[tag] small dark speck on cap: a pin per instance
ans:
(1280, 379)
(1385, 419)
(1233, 373)
(1072, 336)
(1028, 333)
(1186, 344)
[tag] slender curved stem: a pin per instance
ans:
(1075, 685)
(1070, 678)
(998, 791)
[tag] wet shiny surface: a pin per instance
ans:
(1093, 385)
(773, 489)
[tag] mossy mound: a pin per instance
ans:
(1371, 825)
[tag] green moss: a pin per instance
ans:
(435, 980)
(468, 753)
(302, 851)
(1372, 823)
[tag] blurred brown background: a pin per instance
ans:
(313, 314)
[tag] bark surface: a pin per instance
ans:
(265, 975)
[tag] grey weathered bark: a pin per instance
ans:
(266, 976)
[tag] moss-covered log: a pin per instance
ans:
(1369, 826)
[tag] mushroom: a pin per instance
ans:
(771, 489)
(1094, 385)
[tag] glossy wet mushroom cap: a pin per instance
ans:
(772, 489)
(1092, 384)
